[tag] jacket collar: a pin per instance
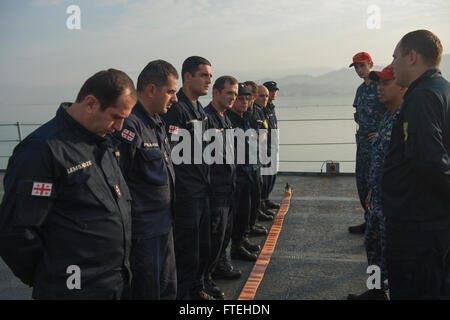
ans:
(430, 73)
(76, 127)
(155, 120)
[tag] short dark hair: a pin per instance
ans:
(191, 65)
(156, 72)
(252, 85)
(107, 86)
(219, 84)
(424, 42)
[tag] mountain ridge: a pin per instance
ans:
(341, 82)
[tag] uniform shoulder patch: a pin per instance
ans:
(173, 129)
(41, 189)
(128, 135)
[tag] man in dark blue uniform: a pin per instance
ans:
(269, 111)
(147, 167)
(416, 181)
(65, 223)
(225, 91)
(187, 121)
(258, 122)
(241, 248)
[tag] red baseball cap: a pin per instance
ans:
(386, 74)
(360, 58)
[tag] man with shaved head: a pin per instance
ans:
(257, 121)
(266, 94)
(261, 100)
(262, 96)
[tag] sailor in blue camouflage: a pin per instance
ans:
(375, 235)
(369, 112)
(375, 238)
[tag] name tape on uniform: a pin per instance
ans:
(151, 145)
(79, 166)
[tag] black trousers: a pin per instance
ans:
(241, 208)
(220, 205)
(192, 233)
(268, 182)
(153, 267)
(418, 260)
(228, 232)
(255, 195)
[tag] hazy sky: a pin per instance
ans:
(250, 39)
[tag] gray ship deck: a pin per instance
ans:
(315, 256)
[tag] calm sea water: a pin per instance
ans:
(308, 134)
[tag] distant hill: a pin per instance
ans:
(342, 82)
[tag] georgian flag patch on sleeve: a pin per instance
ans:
(41, 189)
(173, 129)
(128, 135)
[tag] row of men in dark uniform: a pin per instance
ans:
(95, 188)
(221, 204)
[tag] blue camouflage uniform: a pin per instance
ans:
(369, 112)
(375, 236)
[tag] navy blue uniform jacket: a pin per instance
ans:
(416, 180)
(147, 167)
(192, 178)
(222, 175)
(66, 203)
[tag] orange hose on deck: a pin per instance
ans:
(257, 274)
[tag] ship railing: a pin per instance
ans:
(20, 136)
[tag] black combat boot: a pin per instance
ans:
(250, 246)
(272, 205)
(225, 270)
(359, 229)
(240, 253)
(212, 289)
